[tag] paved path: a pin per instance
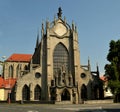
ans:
(59, 108)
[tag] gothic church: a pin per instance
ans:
(53, 72)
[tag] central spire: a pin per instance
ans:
(59, 12)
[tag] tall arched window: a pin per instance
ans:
(37, 93)
(60, 57)
(18, 69)
(26, 93)
(25, 67)
(10, 71)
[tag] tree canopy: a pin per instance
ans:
(112, 70)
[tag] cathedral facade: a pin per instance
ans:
(54, 72)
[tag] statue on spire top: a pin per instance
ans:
(59, 12)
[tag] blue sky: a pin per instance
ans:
(98, 22)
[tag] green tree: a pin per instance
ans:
(112, 70)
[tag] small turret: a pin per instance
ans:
(37, 41)
(42, 30)
(76, 29)
(89, 66)
(47, 24)
(73, 26)
(98, 74)
(65, 20)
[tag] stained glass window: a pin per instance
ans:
(60, 57)
(37, 93)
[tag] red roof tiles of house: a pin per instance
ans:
(2, 85)
(7, 83)
(20, 58)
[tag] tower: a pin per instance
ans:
(59, 59)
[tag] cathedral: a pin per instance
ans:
(53, 72)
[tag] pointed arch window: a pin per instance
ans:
(18, 70)
(37, 92)
(26, 93)
(10, 71)
(60, 57)
(25, 67)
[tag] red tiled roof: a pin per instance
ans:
(7, 83)
(20, 57)
(2, 85)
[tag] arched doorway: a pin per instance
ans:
(84, 92)
(53, 94)
(37, 92)
(26, 93)
(96, 92)
(65, 96)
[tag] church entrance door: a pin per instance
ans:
(84, 92)
(65, 96)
